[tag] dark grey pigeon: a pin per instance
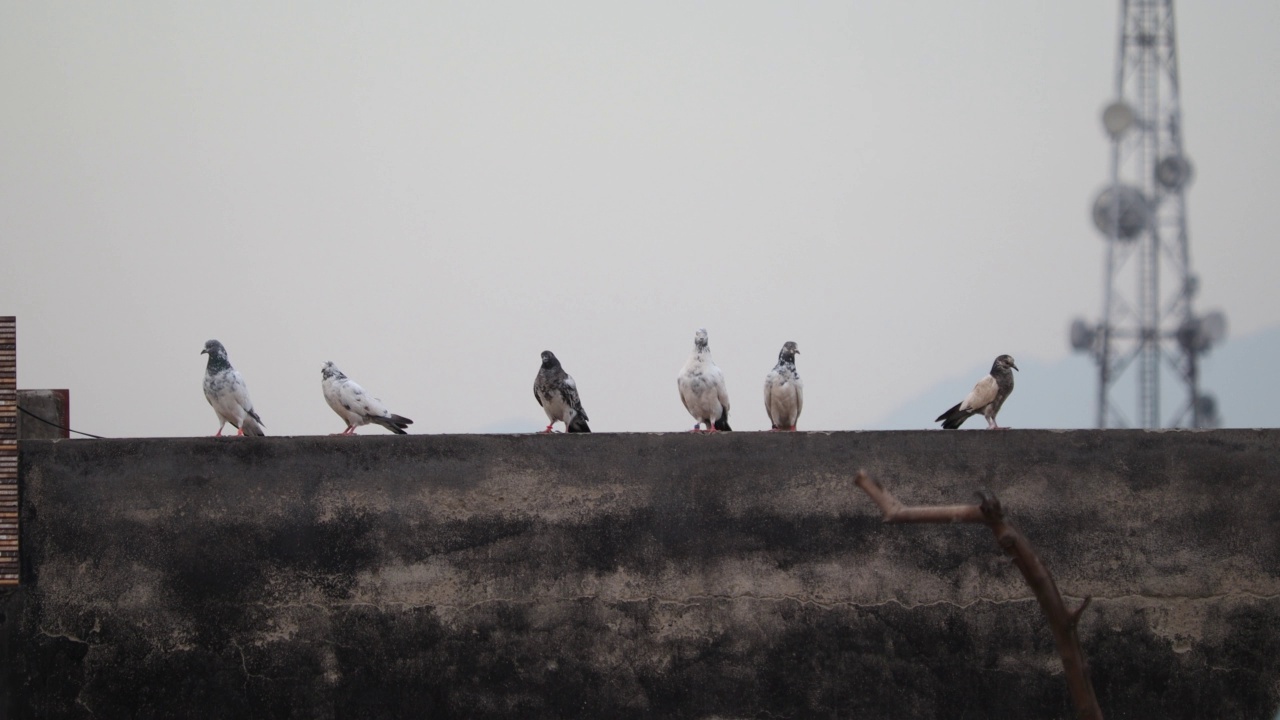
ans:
(557, 393)
(783, 390)
(226, 392)
(986, 398)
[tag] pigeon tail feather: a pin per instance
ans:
(251, 425)
(722, 423)
(394, 423)
(578, 424)
(953, 418)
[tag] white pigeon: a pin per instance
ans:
(702, 388)
(355, 406)
(987, 397)
(783, 390)
(225, 390)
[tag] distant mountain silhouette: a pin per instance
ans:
(1243, 374)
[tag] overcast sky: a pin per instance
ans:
(430, 194)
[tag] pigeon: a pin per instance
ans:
(987, 397)
(783, 390)
(226, 392)
(702, 388)
(557, 393)
(354, 405)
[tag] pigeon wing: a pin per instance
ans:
(365, 408)
(769, 381)
(983, 394)
(570, 390)
(722, 390)
(252, 424)
(230, 399)
(240, 392)
(362, 402)
(799, 395)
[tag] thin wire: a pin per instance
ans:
(54, 424)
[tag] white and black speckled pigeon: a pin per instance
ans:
(226, 392)
(355, 406)
(986, 398)
(702, 388)
(557, 393)
(783, 390)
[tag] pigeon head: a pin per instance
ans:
(217, 356)
(788, 353)
(1003, 363)
(549, 360)
(330, 371)
(700, 339)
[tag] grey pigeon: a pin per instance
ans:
(355, 406)
(702, 388)
(986, 398)
(557, 393)
(226, 392)
(783, 390)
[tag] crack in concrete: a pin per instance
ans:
(64, 635)
(1216, 668)
(694, 600)
(244, 666)
(1185, 598)
(89, 648)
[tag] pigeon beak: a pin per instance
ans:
(204, 352)
(1015, 367)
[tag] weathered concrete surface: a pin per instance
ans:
(639, 576)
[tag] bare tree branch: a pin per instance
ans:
(1061, 621)
(896, 512)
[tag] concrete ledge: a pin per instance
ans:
(639, 575)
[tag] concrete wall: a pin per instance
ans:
(639, 576)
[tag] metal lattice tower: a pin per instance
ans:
(1148, 328)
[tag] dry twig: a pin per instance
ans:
(988, 512)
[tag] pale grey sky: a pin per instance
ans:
(430, 194)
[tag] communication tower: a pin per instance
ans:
(1148, 328)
